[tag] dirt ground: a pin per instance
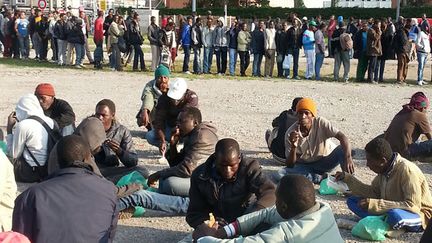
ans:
(240, 108)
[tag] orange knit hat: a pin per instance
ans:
(45, 89)
(307, 104)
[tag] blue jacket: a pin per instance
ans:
(308, 40)
(186, 39)
(73, 205)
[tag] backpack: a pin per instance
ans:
(346, 42)
(54, 136)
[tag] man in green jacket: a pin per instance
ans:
(243, 41)
(297, 217)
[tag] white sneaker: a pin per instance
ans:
(78, 66)
(420, 83)
(187, 72)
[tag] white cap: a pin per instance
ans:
(177, 88)
(304, 18)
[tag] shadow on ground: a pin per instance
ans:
(132, 234)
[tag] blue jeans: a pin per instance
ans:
(208, 58)
(314, 171)
(153, 139)
(24, 46)
(396, 218)
(155, 201)
(232, 60)
(420, 149)
(197, 60)
(186, 49)
(256, 66)
(319, 59)
(175, 186)
(79, 53)
(421, 58)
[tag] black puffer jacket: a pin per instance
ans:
(209, 193)
(75, 34)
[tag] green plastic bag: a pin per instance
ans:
(371, 228)
(133, 177)
(325, 189)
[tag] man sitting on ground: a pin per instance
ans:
(400, 189)
(28, 144)
(118, 147)
(308, 148)
(234, 179)
(167, 109)
(238, 181)
(276, 139)
(150, 95)
(74, 205)
(199, 139)
(57, 109)
(296, 217)
(407, 126)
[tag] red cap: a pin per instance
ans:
(45, 89)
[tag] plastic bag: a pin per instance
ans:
(133, 177)
(371, 228)
(325, 189)
(337, 185)
(287, 62)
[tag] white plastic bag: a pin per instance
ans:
(287, 62)
(337, 185)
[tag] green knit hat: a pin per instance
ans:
(162, 70)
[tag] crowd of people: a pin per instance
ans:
(222, 193)
(371, 41)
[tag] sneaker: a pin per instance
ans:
(420, 83)
(187, 72)
(78, 66)
(297, 78)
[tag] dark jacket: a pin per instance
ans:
(42, 29)
(352, 29)
(153, 34)
(281, 42)
(335, 40)
(196, 37)
(257, 42)
(61, 112)
(282, 122)
(107, 157)
(401, 43)
(134, 34)
(199, 144)
(167, 112)
(73, 205)
(232, 34)
(228, 200)
(294, 39)
(107, 22)
(358, 44)
(387, 44)
(75, 35)
(60, 30)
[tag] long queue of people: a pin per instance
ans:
(371, 41)
(223, 193)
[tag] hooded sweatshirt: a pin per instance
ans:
(199, 144)
(29, 132)
(8, 189)
(93, 131)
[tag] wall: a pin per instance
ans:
(365, 4)
(177, 3)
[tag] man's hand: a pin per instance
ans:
(204, 230)
(364, 204)
(175, 136)
(151, 180)
(348, 166)
(115, 146)
(339, 176)
(162, 148)
(294, 137)
(145, 118)
(11, 121)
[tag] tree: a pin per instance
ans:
(299, 4)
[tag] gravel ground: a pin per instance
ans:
(241, 108)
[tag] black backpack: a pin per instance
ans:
(54, 136)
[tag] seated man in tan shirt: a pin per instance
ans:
(406, 128)
(308, 149)
(400, 189)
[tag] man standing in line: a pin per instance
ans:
(153, 36)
